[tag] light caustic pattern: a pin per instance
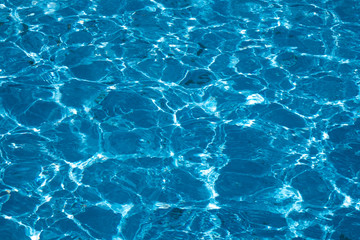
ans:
(187, 119)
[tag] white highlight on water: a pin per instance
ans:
(254, 99)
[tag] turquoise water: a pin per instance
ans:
(188, 119)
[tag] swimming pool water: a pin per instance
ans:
(179, 119)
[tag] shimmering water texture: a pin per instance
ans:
(179, 119)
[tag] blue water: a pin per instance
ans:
(179, 119)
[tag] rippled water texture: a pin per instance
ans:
(179, 119)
